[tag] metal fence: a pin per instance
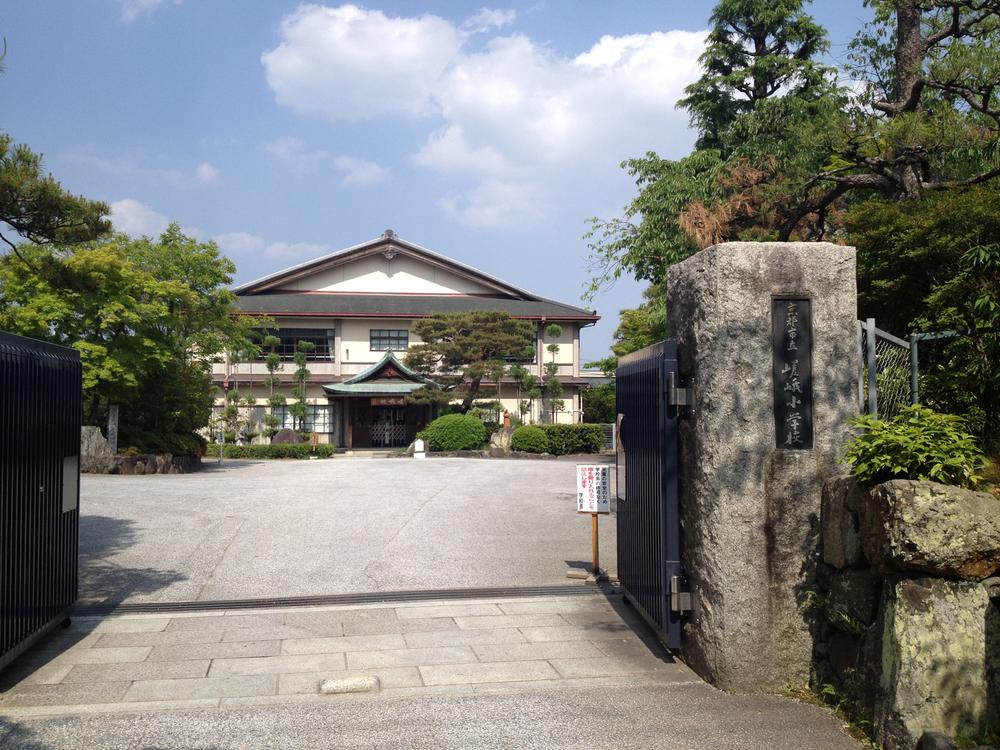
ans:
(608, 438)
(884, 382)
(40, 414)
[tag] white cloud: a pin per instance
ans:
(448, 150)
(496, 203)
(487, 19)
(515, 112)
(132, 167)
(137, 219)
(206, 173)
(359, 171)
(349, 63)
(293, 152)
(132, 9)
(238, 245)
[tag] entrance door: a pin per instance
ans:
(649, 531)
(388, 426)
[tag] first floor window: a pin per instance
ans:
(389, 340)
(318, 419)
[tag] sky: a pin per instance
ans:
(284, 131)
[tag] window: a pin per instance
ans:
(319, 418)
(387, 340)
(532, 360)
(321, 339)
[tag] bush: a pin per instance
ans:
(919, 443)
(573, 438)
(298, 450)
(455, 432)
(529, 439)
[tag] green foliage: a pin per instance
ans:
(566, 439)
(637, 328)
(756, 48)
(529, 439)
(461, 349)
(146, 316)
(599, 404)
(455, 432)
(37, 208)
(933, 266)
(917, 444)
(291, 450)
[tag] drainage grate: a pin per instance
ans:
(377, 597)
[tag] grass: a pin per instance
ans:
(840, 707)
(991, 476)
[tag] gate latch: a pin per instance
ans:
(677, 396)
(680, 601)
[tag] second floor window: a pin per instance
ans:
(389, 340)
(321, 339)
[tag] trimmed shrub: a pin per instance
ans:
(455, 432)
(918, 443)
(565, 439)
(529, 439)
(293, 450)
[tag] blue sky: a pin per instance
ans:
(286, 130)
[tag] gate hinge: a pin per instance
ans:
(680, 601)
(677, 396)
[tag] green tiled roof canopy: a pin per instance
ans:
(387, 376)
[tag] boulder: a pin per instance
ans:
(500, 441)
(95, 453)
(841, 543)
(286, 436)
(935, 741)
(931, 528)
(936, 669)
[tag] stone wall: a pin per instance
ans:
(750, 509)
(909, 634)
(96, 458)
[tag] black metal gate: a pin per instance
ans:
(40, 414)
(649, 533)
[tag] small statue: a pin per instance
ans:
(506, 419)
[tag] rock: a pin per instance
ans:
(500, 440)
(350, 684)
(95, 453)
(935, 664)
(852, 602)
(751, 510)
(841, 543)
(286, 436)
(931, 528)
(935, 741)
(845, 651)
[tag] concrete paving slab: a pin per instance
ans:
(208, 687)
(229, 622)
(407, 657)
(604, 667)
(161, 638)
(536, 651)
(118, 625)
(464, 637)
(466, 674)
(395, 625)
(277, 665)
(276, 633)
(592, 632)
(510, 621)
(105, 655)
(447, 610)
(342, 644)
(222, 650)
(96, 673)
(63, 694)
(556, 606)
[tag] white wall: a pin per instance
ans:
(377, 274)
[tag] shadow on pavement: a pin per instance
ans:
(101, 580)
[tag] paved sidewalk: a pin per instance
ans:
(465, 654)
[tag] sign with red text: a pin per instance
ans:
(593, 489)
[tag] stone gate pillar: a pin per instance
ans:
(767, 339)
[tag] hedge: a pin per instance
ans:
(455, 432)
(297, 450)
(529, 439)
(573, 438)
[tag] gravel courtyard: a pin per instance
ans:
(347, 525)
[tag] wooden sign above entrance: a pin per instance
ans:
(388, 401)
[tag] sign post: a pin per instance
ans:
(593, 496)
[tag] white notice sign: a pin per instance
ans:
(593, 489)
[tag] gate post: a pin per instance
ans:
(755, 323)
